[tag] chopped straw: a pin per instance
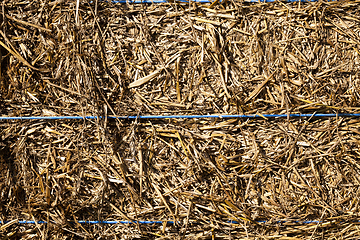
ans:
(211, 178)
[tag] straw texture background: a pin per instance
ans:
(101, 59)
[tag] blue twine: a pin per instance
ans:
(149, 222)
(183, 116)
(94, 222)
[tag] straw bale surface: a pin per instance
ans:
(102, 59)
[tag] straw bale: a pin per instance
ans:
(103, 59)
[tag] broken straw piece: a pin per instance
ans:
(145, 79)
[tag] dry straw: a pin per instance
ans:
(92, 58)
